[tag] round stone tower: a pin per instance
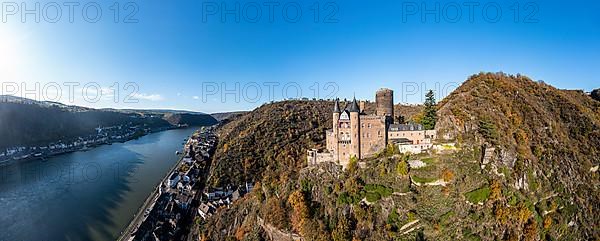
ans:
(384, 99)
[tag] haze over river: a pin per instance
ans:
(90, 195)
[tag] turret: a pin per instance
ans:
(354, 106)
(354, 129)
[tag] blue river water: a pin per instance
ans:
(86, 195)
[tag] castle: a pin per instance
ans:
(360, 135)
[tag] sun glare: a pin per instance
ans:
(12, 54)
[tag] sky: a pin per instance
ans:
(214, 56)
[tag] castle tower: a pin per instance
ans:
(384, 99)
(336, 131)
(354, 129)
(361, 105)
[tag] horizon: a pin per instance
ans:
(342, 98)
(206, 57)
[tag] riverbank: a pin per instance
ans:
(136, 221)
(85, 195)
(34, 154)
(175, 197)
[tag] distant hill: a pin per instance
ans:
(155, 111)
(25, 122)
(525, 168)
(190, 119)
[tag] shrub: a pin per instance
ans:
(353, 164)
(402, 168)
(342, 230)
(373, 197)
(496, 190)
(391, 150)
(379, 189)
(447, 175)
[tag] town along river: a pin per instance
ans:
(89, 195)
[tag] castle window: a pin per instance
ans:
(369, 125)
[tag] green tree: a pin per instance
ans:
(488, 130)
(352, 164)
(402, 168)
(342, 230)
(401, 119)
(430, 111)
(392, 149)
(595, 94)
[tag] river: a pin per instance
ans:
(87, 195)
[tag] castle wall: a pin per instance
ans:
(314, 157)
(416, 137)
(330, 141)
(415, 148)
(372, 134)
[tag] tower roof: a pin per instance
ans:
(354, 106)
(336, 107)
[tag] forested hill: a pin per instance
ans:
(25, 122)
(190, 119)
(524, 166)
(547, 144)
(273, 138)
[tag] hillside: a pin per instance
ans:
(189, 119)
(25, 124)
(523, 167)
(227, 115)
(272, 138)
(28, 122)
(547, 142)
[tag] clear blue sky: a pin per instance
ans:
(176, 55)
